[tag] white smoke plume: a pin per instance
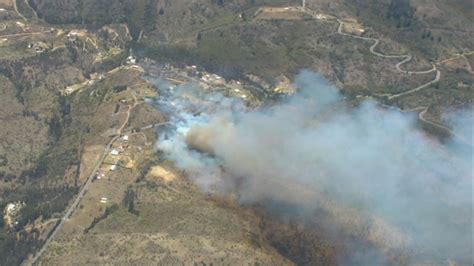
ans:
(373, 172)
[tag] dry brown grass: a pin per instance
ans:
(161, 173)
(6, 3)
(280, 13)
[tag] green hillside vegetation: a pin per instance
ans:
(138, 14)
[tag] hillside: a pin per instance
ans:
(80, 84)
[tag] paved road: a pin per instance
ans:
(421, 116)
(81, 194)
(86, 186)
(460, 138)
(74, 205)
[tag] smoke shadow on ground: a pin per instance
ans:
(369, 170)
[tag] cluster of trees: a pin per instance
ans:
(401, 12)
(46, 188)
(138, 14)
(108, 211)
(3, 160)
(16, 244)
(6, 177)
(428, 35)
(141, 16)
(39, 201)
(14, 248)
(129, 201)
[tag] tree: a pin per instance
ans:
(401, 12)
(141, 15)
(129, 201)
(55, 127)
(151, 15)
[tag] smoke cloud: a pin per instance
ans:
(371, 170)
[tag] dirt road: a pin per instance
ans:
(18, 12)
(74, 205)
(435, 80)
(24, 34)
(406, 59)
(32, 9)
(86, 186)
(447, 129)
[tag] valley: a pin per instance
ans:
(82, 121)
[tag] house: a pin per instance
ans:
(114, 152)
(38, 47)
(131, 60)
(113, 167)
(11, 208)
(12, 213)
(73, 36)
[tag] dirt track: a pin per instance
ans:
(86, 186)
(405, 59)
(18, 12)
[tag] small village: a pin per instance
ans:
(131, 145)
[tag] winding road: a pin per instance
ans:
(447, 129)
(435, 80)
(80, 196)
(32, 9)
(27, 3)
(405, 59)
